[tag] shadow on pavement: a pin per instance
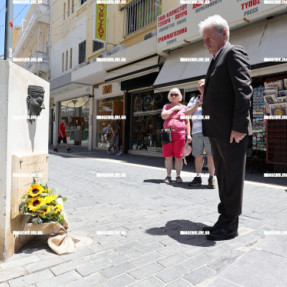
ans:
(174, 227)
(175, 184)
(36, 243)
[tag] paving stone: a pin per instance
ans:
(125, 257)
(171, 274)
(145, 259)
(117, 270)
(120, 281)
(6, 275)
(196, 262)
(217, 252)
(149, 248)
(219, 282)
(146, 271)
(101, 256)
(90, 268)
(179, 283)
(170, 250)
(59, 280)
(172, 260)
(31, 279)
(68, 266)
(148, 282)
(78, 253)
(9, 264)
(257, 268)
(90, 281)
(223, 261)
(275, 244)
(199, 275)
(30, 268)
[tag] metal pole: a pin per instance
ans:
(8, 30)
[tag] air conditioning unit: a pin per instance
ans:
(150, 34)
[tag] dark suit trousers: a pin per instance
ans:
(230, 161)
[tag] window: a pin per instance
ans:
(83, 1)
(73, 6)
(71, 58)
(97, 45)
(67, 60)
(82, 52)
(68, 8)
(140, 13)
(63, 62)
(64, 11)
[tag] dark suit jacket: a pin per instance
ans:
(227, 93)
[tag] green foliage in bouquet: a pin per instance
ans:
(41, 203)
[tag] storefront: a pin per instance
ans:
(109, 107)
(77, 113)
(269, 121)
(267, 52)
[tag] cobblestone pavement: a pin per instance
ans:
(144, 217)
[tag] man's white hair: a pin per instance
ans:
(216, 21)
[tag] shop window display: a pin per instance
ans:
(146, 121)
(76, 112)
(107, 107)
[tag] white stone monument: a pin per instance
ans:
(23, 152)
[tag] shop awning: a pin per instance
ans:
(175, 71)
(262, 41)
(134, 69)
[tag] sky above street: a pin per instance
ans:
(20, 10)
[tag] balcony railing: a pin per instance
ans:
(39, 14)
(140, 13)
(39, 63)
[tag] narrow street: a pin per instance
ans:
(130, 224)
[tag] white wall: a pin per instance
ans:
(17, 136)
(72, 40)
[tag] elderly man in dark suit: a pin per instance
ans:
(226, 100)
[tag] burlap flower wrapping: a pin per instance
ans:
(59, 241)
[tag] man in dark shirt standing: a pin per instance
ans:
(226, 101)
(62, 136)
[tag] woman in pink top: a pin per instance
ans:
(175, 117)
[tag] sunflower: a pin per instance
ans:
(35, 190)
(45, 211)
(50, 198)
(57, 208)
(36, 203)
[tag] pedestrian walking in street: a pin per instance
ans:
(62, 136)
(116, 138)
(175, 118)
(226, 100)
(199, 141)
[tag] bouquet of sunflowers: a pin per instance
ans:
(42, 204)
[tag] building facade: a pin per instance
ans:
(125, 59)
(31, 41)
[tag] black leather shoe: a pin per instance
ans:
(221, 234)
(209, 228)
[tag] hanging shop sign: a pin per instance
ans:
(101, 22)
